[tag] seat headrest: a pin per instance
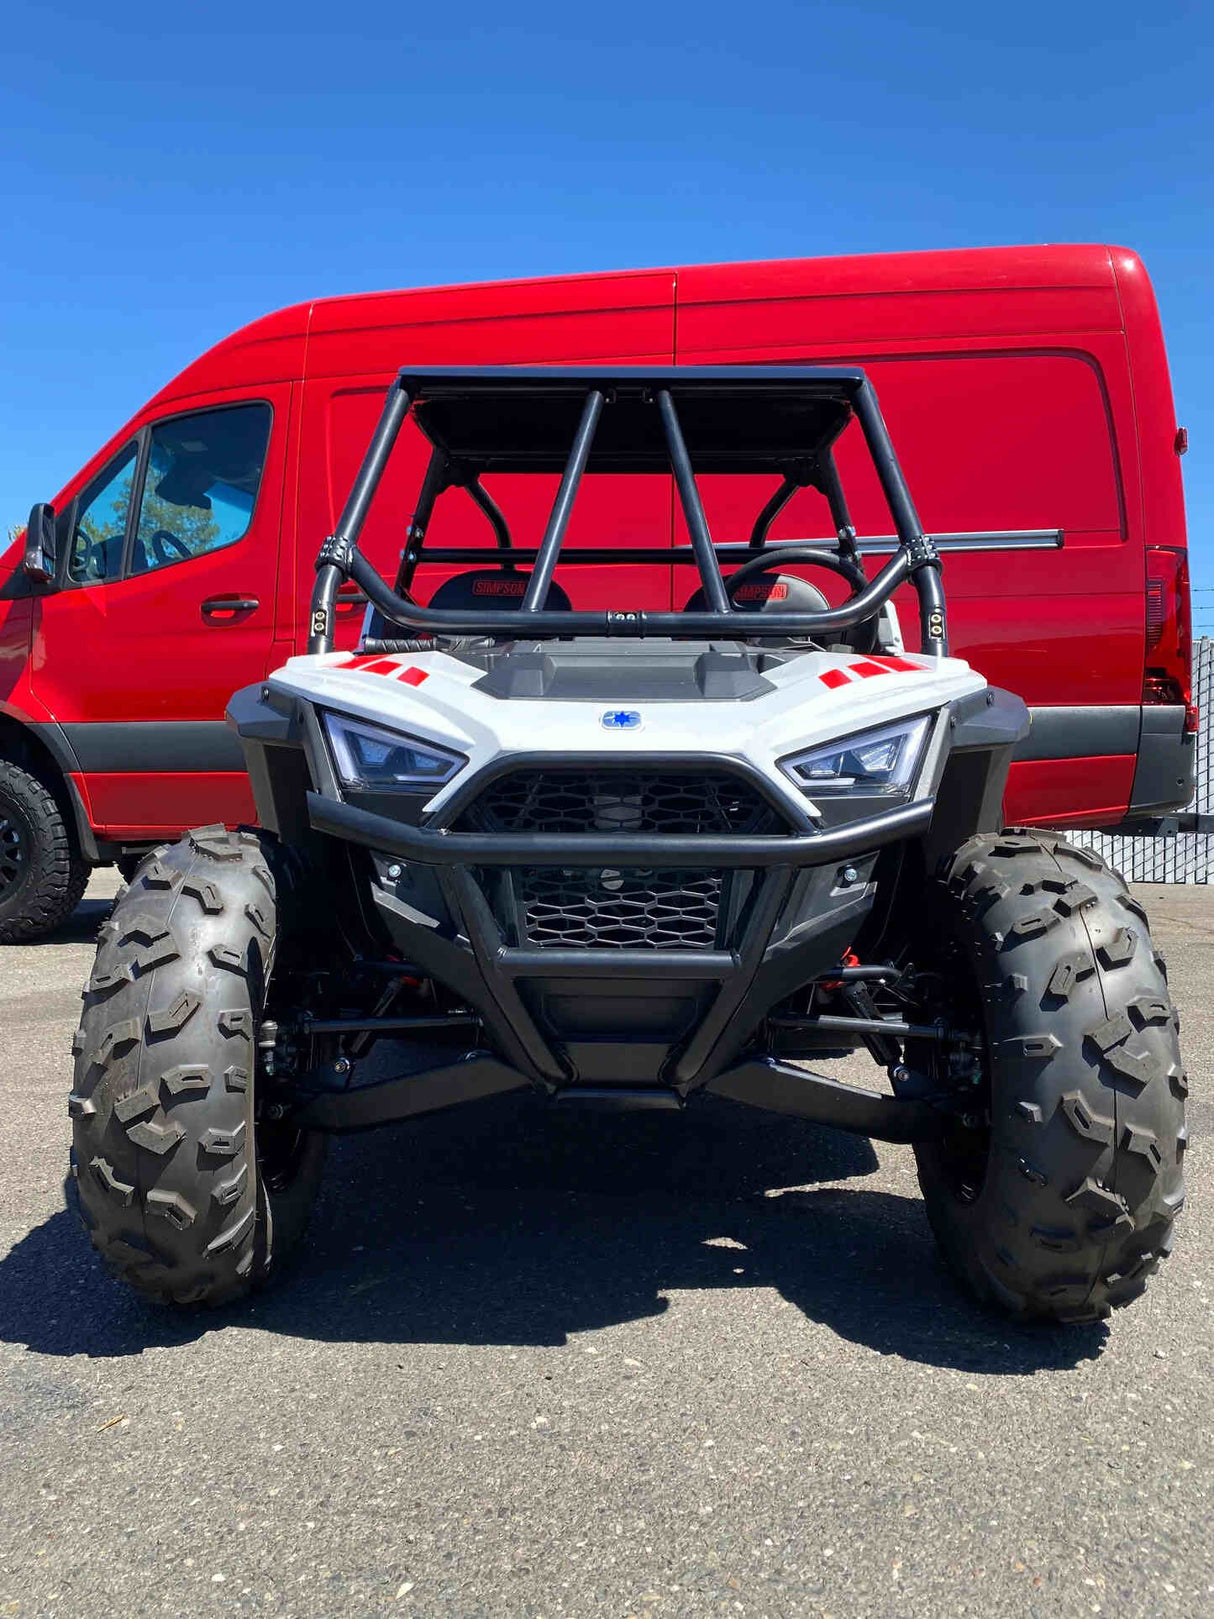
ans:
(770, 593)
(492, 588)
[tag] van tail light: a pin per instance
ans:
(1169, 651)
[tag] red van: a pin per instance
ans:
(1026, 390)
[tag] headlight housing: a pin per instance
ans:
(371, 758)
(880, 763)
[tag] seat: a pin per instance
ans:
(769, 593)
(494, 588)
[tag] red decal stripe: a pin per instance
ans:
(834, 678)
(867, 669)
(371, 663)
(900, 665)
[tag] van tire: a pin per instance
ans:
(187, 1196)
(1083, 1179)
(41, 869)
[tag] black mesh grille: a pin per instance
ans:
(630, 907)
(620, 801)
(619, 910)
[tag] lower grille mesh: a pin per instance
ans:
(629, 908)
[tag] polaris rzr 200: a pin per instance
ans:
(627, 859)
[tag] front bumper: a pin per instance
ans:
(590, 1016)
(433, 846)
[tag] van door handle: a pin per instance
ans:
(229, 605)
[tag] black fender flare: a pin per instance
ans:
(43, 745)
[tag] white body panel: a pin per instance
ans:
(817, 697)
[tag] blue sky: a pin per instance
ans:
(168, 173)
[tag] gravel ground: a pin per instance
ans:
(543, 1366)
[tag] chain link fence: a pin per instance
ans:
(1189, 856)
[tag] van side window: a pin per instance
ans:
(99, 530)
(201, 485)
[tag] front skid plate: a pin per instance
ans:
(760, 1082)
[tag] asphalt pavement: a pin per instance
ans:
(549, 1366)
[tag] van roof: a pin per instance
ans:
(272, 348)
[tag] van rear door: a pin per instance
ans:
(1008, 432)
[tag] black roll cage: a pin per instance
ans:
(846, 389)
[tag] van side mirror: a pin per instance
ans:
(40, 558)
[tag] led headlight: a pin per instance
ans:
(369, 757)
(879, 763)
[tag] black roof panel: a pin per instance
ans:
(734, 418)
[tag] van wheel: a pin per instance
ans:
(42, 877)
(1054, 1194)
(189, 1196)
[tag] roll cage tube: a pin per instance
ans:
(772, 510)
(438, 477)
(845, 529)
(916, 558)
(340, 550)
(442, 475)
(562, 506)
(790, 555)
(824, 477)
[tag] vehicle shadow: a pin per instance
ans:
(507, 1224)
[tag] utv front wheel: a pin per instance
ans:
(186, 1194)
(1054, 1195)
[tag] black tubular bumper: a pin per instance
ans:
(434, 847)
(628, 1025)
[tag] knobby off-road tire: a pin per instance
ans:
(42, 875)
(184, 1196)
(1083, 1179)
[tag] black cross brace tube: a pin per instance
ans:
(770, 512)
(693, 507)
(497, 518)
(733, 626)
(438, 474)
(381, 1025)
(832, 488)
(562, 506)
(897, 1027)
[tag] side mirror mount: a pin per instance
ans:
(40, 555)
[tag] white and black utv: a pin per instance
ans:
(627, 859)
